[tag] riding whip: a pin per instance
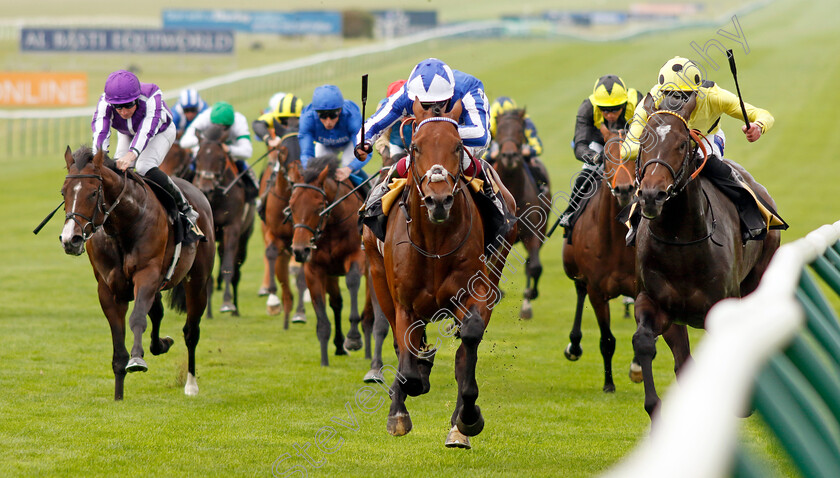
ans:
(364, 100)
(731, 58)
(342, 198)
(239, 176)
(47, 219)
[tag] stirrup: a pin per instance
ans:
(193, 226)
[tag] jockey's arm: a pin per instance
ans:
(533, 137)
(584, 127)
(101, 126)
(729, 103)
(474, 125)
(261, 127)
(241, 148)
(190, 138)
(631, 143)
(384, 117)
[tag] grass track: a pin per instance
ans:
(262, 390)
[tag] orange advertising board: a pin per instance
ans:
(43, 89)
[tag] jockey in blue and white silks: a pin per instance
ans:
(189, 106)
(144, 132)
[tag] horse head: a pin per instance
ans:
(211, 160)
(666, 161)
(84, 203)
(620, 174)
(510, 136)
(436, 151)
(308, 202)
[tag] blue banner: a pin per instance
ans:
(133, 41)
(283, 23)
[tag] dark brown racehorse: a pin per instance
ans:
(177, 163)
(232, 216)
(689, 253)
(130, 242)
(328, 245)
(511, 167)
(279, 229)
(596, 258)
(430, 266)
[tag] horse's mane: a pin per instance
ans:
(316, 165)
(215, 132)
(84, 155)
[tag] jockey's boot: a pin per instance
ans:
(381, 188)
(165, 182)
(540, 175)
(583, 188)
(249, 181)
(372, 214)
(487, 189)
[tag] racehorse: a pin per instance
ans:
(177, 163)
(328, 244)
(130, 242)
(232, 216)
(433, 252)
(595, 256)
(689, 252)
(514, 173)
(278, 229)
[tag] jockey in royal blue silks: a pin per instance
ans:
(189, 106)
(329, 125)
(437, 87)
(145, 133)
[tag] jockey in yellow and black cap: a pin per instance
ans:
(678, 80)
(530, 150)
(283, 117)
(611, 103)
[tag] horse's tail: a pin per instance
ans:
(178, 298)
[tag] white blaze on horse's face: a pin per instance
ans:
(70, 224)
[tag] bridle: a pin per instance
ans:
(216, 177)
(679, 176)
(621, 166)
(100, 206)
(517, 141)
(323, 218)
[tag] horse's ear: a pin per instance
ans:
(455, 112)
(649, 104)
(418, 110)
(68, 157)
(98, 158)
(689, 105)
(322, 176)
(294, 172)
(523, 113)
(605, 132)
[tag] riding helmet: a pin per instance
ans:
(431, 81)
(327, 97)
(122, 87)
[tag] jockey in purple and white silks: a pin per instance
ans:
(145, 132)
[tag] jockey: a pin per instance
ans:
(144, 133)
(530, 150)
(680, 78)
(189, 105)
(391, 143)
(273, 101)
(612, 104)
(436, 86)
(282, 118)
(238, 143)
(329, 125)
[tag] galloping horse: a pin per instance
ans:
(328, 245)
(689, 253)
(232, 216)
(514, 173)
(278, 228)
(130, 243)
(176, 163)
(596, 258)
(433, 252)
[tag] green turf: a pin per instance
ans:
(262, 390)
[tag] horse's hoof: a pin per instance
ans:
(272, 305)
(456, 439)
(340, 350)
(165, 344)
(374, 376)
(299, 319)
(136, 364)
(473, 429)
(609, 388)
(227, 307)
(191, 388)
(399, 424)
(636, 373)
(526, 312)
(353, 344)
(569, 355)
(263, 292)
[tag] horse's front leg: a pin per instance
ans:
(408, 335)
(230, 245)
(353, 279)
(676, 336)
(158, 346)
(300, 283)
(467, 419)
(601, 307)
(115, 313)
(533, 271)
(145, 288)
(380, 331)
(648, 316)
(336, 302)
(315, 281)
(573, 351)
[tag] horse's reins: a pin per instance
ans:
(217, 177)
(323, 215)
(100, 205)
(695, 241)
(678, 185)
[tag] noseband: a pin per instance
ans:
(216, 177)
(418, 180)
(678, 184)
(100, 206)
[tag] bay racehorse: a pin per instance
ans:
(178, 162)
(278, 229)
(233, 217)
(689, 253)
(596, 257)
(328, 244)
(514, 173)
(130, 241)
(433, 253)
